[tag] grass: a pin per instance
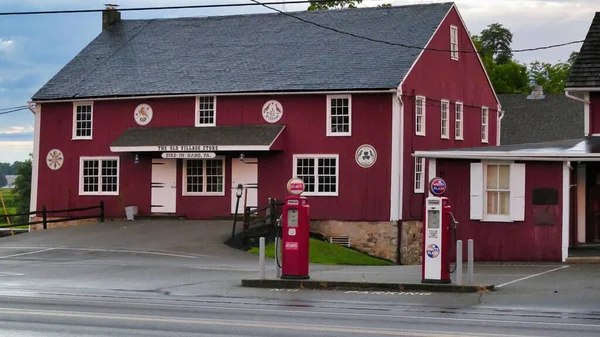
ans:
(326, 253)
(11, 207)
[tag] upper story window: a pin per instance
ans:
(454, 43)
(206, 111)
(445, 119)
(320, 173)
(99, 176)
(339, 115)
(484, 125)
(204, 176)
(419, 174)
(82, 120)
(458, 121)
(420, 116)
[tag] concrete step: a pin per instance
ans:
(584, 260)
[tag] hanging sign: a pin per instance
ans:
(189, 155)
(437, 186)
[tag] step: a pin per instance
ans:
(584, 260)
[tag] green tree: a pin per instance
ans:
(552, 77)
(3, 181)
(572, 58)
(385, 5)
(316, 6)
(23, 186)
(495, 41)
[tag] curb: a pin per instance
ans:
(339, 285)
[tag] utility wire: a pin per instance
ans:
(156, 8)
(16, 107)
(401, 44)
(11, 111)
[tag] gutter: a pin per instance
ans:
(585, 101)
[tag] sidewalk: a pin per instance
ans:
(487, 277)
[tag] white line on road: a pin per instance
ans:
(108, 250)
(530, 276)
(28, 253)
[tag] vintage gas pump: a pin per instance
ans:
(438, 224)
(295, 233)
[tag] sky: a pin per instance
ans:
(35, 47)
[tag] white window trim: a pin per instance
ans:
(494, 217)
(485, 111)
(74, 132)
(317, 156)
(454, 33)
(197, 114)
(460, 136)
(100, 159)
(424, 119)
(421, 189)
(184, 191)
(447, 103)
(329, 133)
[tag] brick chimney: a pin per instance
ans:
(110, 15)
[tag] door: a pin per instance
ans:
(164, 185)
(247, 174)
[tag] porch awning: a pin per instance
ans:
(582, 149)
(199, 139)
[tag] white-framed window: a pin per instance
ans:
(320, 173)
(420, 116)
(458, 121)
(339, 115)
(99, 176)
(206, 108)
(454, 42)
(83, 120)
(419, 183)
(497, 191)
(445, 116)
(204, 176)
(484, 124)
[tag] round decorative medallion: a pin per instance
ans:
(272, 111)
(143, 114)
(55, 159)
(366, 155)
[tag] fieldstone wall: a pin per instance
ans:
(376, 238)
(411, 243)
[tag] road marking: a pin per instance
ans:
(530, 276)
(286, 290)
(6, 273)
(237, 323)
(28, 253)
(393, 293)
(110, 251)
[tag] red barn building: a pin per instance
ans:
(534, 201)
(157, 114)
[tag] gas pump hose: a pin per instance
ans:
(278, 242)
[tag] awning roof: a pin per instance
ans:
(582, 149)
(198, 139)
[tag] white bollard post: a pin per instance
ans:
(470, 262)
(277, 257)
(459, 259)
(261, 260)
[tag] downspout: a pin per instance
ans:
(399, 221)
(585, 101)
(586, 117)
(499, 126)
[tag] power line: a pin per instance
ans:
(155, 8)
(14, 110)
(401, 44)
(15, 107)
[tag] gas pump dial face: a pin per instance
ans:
(433, 219)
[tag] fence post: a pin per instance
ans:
(273, 216)
(101, 210)
(44, 217)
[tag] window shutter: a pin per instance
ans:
(476, 191)
(517, 192)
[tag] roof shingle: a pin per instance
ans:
(585, 72)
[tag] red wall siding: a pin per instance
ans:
(595, 112)
(437, 77)
(364, 194)
(505, 241)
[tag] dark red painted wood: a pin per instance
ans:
(594, 112)
(437, 77)
(364, 194)
(505, 241)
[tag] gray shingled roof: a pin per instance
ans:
(243, 135)
(249, 53)
(555, 117)
(586, 69)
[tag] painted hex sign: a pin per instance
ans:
(55, 159)
(437, 186)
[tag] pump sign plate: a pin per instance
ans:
(437, 186)
(295, 186)
(433, 251)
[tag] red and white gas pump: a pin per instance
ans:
(295, 233)
(438, 223)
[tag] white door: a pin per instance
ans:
(246, 174)
(164, 185)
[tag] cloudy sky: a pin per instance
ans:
(34, 47)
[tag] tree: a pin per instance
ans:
(552, 77)
(316, 6)
(572, 58)
(495, 41)
(385, 5)
(23, 186)
(3, 181)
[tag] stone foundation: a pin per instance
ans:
(39, 227)
(376, 238)
(411, 243)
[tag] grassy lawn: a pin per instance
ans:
(11, 207)
(326, 253)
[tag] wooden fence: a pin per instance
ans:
(44, 212)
